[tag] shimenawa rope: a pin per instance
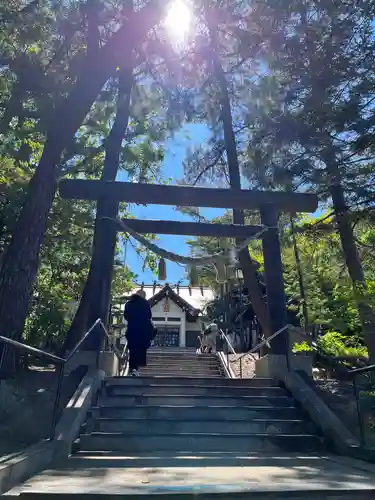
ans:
(219, 260)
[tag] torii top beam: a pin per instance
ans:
(183, 196)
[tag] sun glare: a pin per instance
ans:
(178, 20)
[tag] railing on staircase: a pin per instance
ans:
(66, 388)
(348, 381)
(122, 355)
(238, 359)
(361, 381)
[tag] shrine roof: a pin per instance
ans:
(195, 298)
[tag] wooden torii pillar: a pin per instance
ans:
(269, 204)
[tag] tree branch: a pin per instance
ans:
(209, 166)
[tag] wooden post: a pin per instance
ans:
(273, 271)
(104, 250)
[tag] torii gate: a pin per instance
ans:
(269, 203)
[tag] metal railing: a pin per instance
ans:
(363, 396)
(122, 355)
(362, 381)
(61, 362)
(239, 357)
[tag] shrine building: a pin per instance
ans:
(178, 312)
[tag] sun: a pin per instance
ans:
(178, 20)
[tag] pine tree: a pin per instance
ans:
(71, 79)
(317, 128)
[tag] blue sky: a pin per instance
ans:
(176, 149)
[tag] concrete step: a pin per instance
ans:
(149, 372)
(177, 357)
(182, 362)
(181, 359)
(197, 390)
(178, 369)
(193, 358)
(189, 400)
(198, 358)
(178, 354)
(82, 460)
(182, 366)
(284, 476)
(181, 426)
(181, 371)
(186, 375)
(188, 354)
(188, 361)
(267, 477)
(229, 382)
(198, 412)
(190, 442)
(187, 365)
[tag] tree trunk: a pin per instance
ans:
(247, 265)
(21, 258)
(21, 261)
(353, 261)
(94, 302)
(300, 275)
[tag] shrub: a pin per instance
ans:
(335, 344)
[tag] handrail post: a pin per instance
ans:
(286, 332)
(56, 405)
(359, 413)
(228, 356)
(97, 360)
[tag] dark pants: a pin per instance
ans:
(137, 357)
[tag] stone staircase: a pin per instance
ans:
(196, 415)
(172, 362)
(189, 431)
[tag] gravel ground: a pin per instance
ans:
(248, 365)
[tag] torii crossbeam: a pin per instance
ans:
(184, 196)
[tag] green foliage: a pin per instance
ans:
(122, 281)
(43, 48)
(300, 79)
(47, 321)
(330, 298)
(336, 344)
(301, 347)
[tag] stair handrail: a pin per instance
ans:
(29, 349)
(60, 362)
(250, 353)
(333, 362)
(123, 357)
(224, 336)
(265, 341)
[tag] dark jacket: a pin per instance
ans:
(140, 328)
